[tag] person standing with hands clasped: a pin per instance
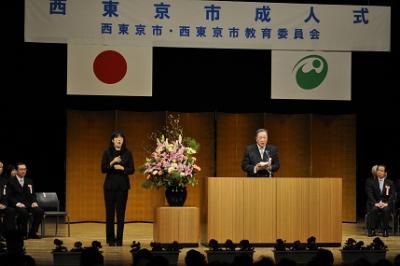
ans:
(117, 164)
(260, 159)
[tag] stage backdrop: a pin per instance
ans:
(310, 146)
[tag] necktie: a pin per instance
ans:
(381, 185)
(21, 182)
(262, 154)
(265, 156)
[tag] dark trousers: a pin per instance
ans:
(380, 215)
(115, 202)
(23, 216)
(7, 220)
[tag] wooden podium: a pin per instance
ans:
(176, 224)
(262, 210)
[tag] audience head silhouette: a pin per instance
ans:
(142, 257)
(15, 251)
(195, 258)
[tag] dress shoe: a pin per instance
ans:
(371, 232)
(33, 236)
(119, 243)
(111, 243)
(385, 233)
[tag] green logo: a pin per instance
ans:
(310, 71)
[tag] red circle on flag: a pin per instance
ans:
(110, 67)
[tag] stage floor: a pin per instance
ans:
(143, 232)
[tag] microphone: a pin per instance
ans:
(269, 162)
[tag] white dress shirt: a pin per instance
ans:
(20, 180)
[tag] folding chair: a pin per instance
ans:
(50, 204)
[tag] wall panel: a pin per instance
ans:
(333, 150)
(88, 135)
(137, 127)
(234, 132)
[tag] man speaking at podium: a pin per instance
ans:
(261, 159)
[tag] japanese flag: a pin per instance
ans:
(311, 75)
(109, 70)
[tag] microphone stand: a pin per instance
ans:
(270, 165)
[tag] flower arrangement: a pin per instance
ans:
(376, 244)
(229, 253)
(244, 245)
(59, 246)
(173, 161)
(301, 253)
(280, 245)
(354, 250)
(135, 247)
(174, 246)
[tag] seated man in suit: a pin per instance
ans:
(380, 193)
(8, 222)
(22, 197)
(260, 159)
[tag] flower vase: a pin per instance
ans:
(301, 257)
(66, 258)
(227, 256)
(175, 195)
(372, 256)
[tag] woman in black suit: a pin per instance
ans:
(117, 164)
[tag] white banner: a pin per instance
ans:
(108, 70)
(214, 24)
(311, 75)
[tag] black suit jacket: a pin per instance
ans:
(252, 157)
(375, 195)
(16, 193)
(117, 179)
